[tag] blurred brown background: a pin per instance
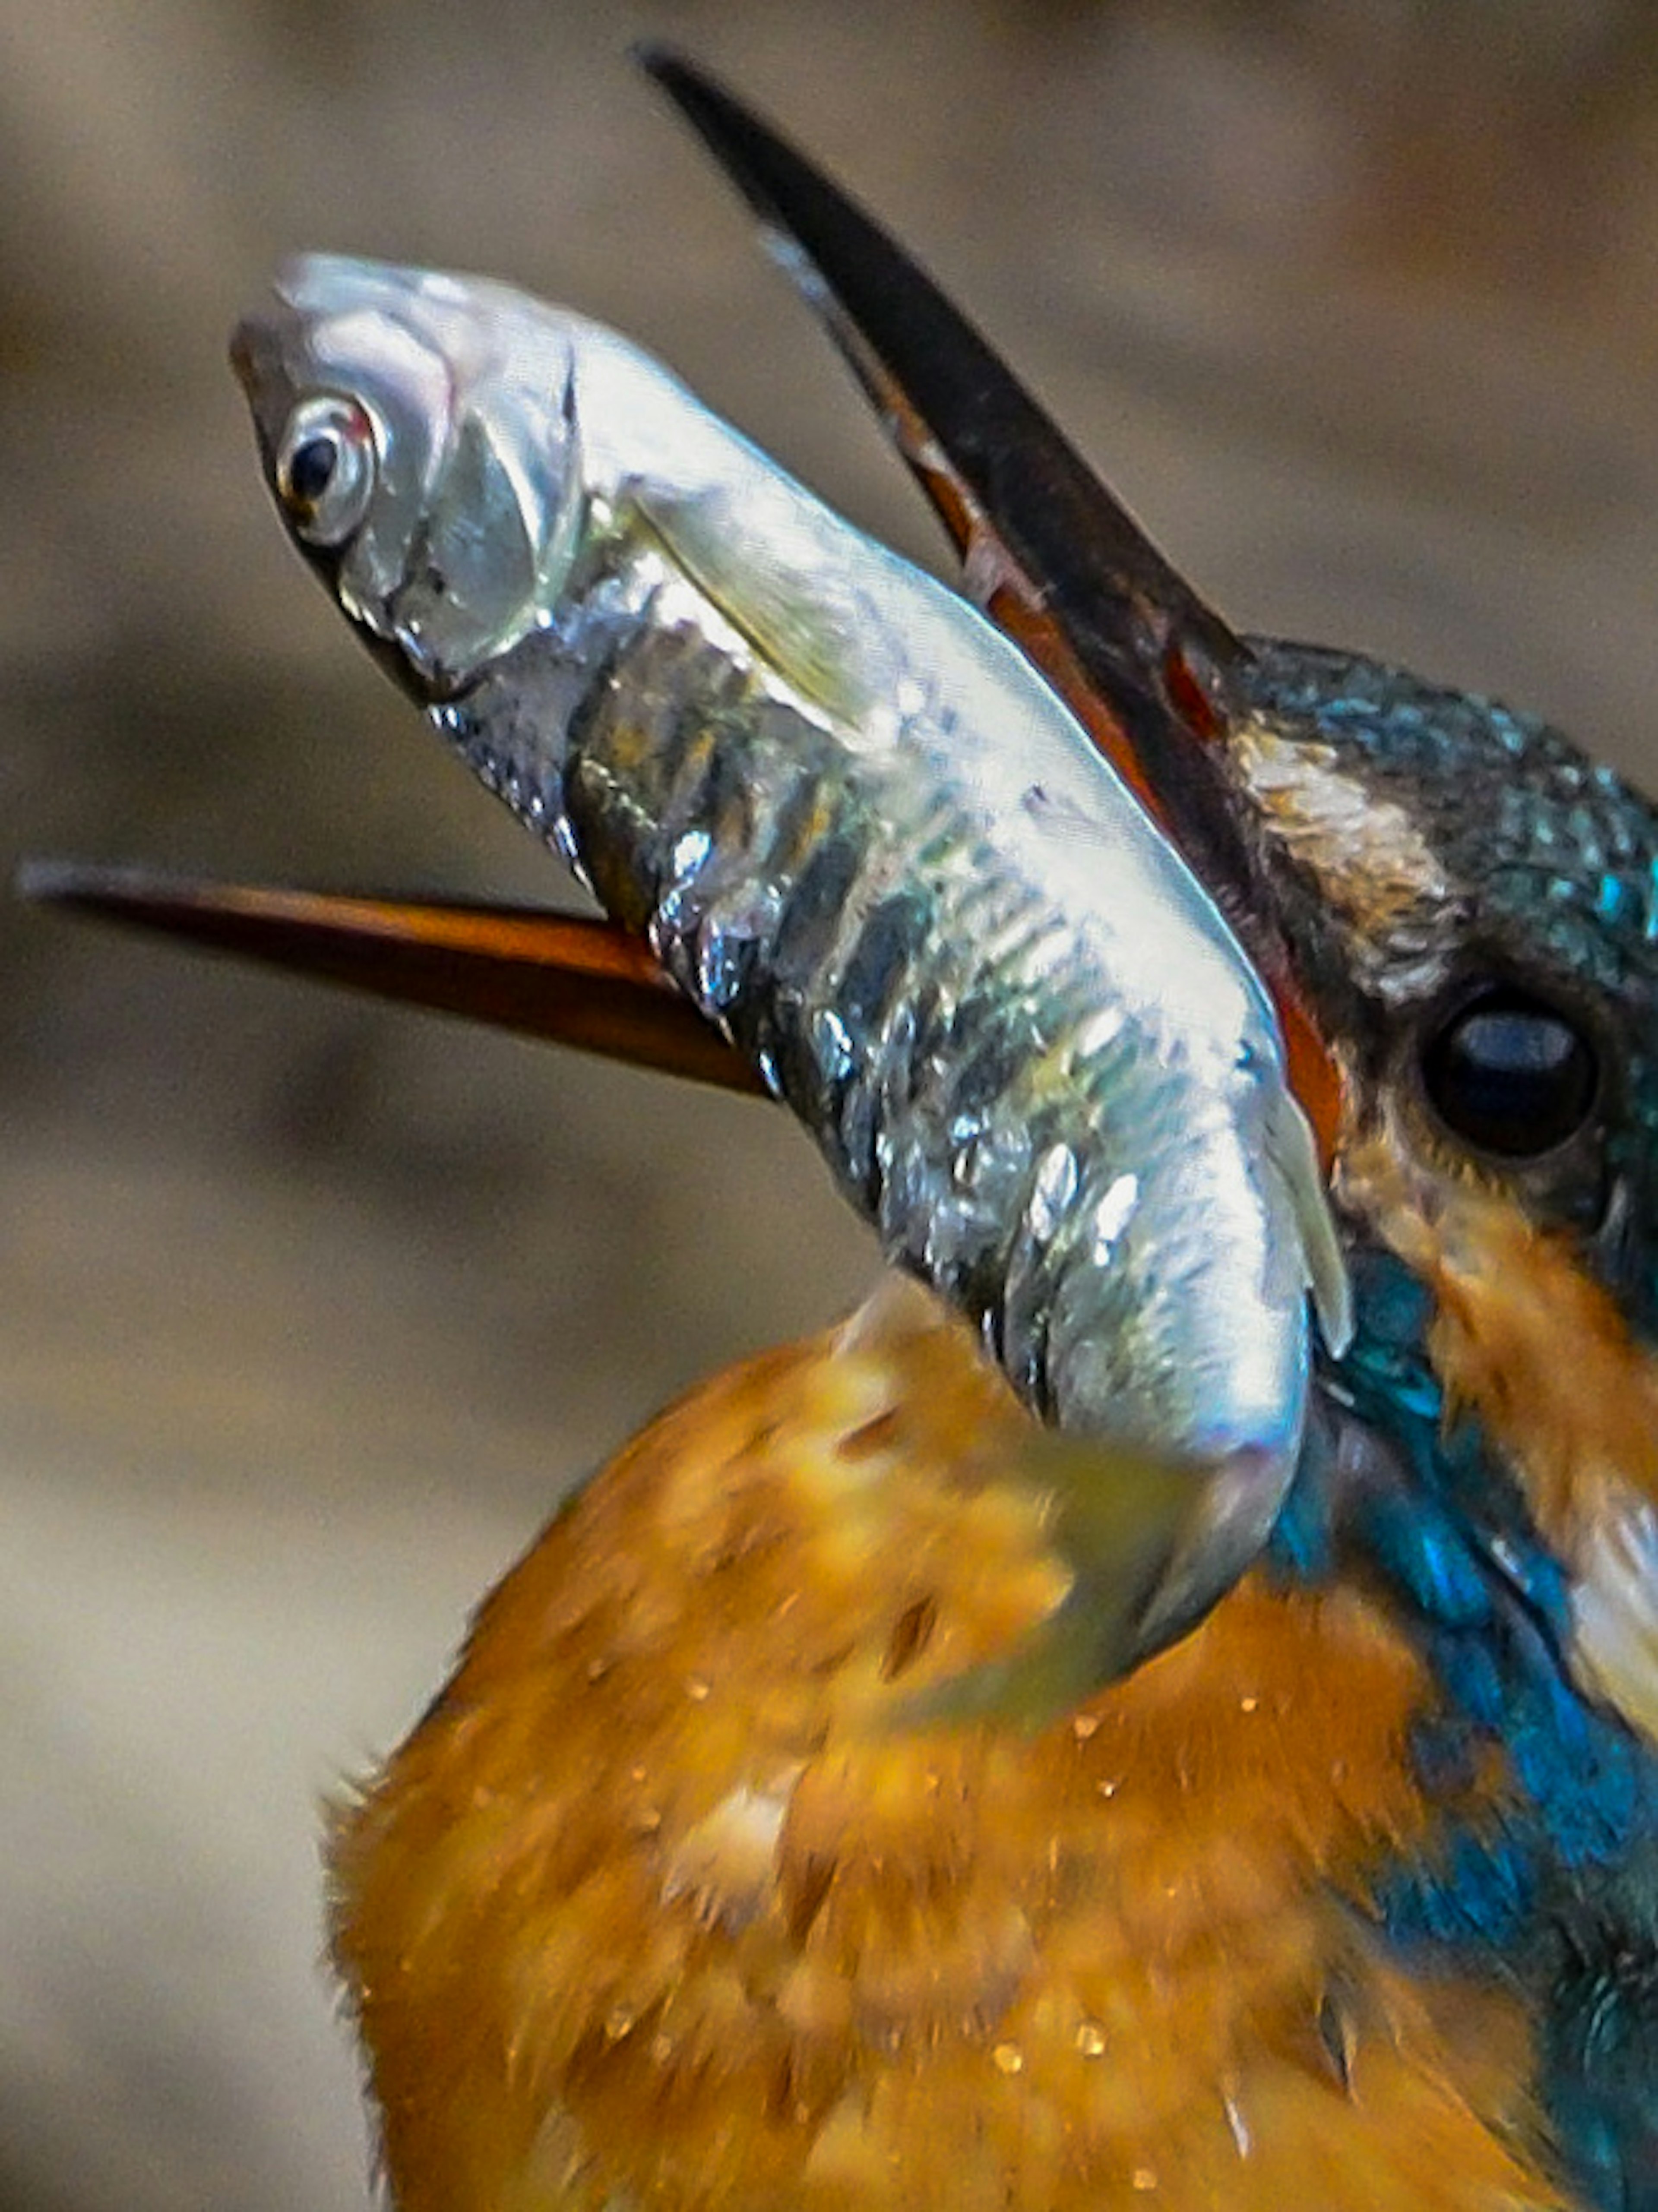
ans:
(308, 1310)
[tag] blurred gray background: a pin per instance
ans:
(308, 1310)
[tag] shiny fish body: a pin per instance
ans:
(863, 835)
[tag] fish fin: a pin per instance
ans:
(1118, 1519)
(1293, 1152)
(797, 620)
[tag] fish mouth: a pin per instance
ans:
(258, 358)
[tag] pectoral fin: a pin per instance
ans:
(1119, 1520)
(797, 619)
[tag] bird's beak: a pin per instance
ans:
(574, 981)
(1060, 565)
(1145, 664)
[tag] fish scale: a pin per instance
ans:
(939, 1120)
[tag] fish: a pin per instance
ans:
(880, 854)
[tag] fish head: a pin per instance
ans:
(417, 432)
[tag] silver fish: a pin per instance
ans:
(870, 843)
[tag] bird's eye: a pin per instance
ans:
(326, 468)
(1510, 1074)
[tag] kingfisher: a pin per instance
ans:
(675, 1897)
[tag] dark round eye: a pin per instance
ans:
(326, 468)
(1510, 1074)
(309, 468)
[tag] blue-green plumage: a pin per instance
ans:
(1547, 1882)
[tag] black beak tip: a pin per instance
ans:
(666, 64)
(754, 158)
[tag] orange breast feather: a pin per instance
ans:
(662, 1906)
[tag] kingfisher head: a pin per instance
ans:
(1470, 910)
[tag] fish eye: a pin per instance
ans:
(1510, 1072)
(326, 468)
